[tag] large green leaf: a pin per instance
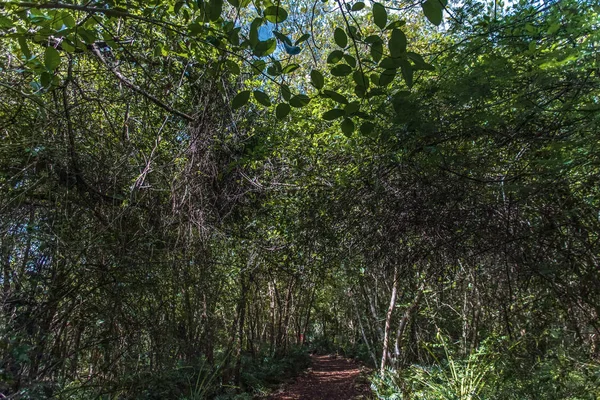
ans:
(360, 79)
(290, 68)
(387, 77)
(240, 99)
(407, 72)
(335, 56)
(299, 100)
(286, 93)
(352, 108)
(347, 126)
(397, 43)
(341, 70)
(275, 14)
(379, 15)
(301, 39)
(332, 114)
(377, 51)
(264, 48)
(433, 10)
(282, 110)
(367, 128)
(358, 6)
(317, 79)
(262, 98)
(335, 96)
(340, 37)
(215, 7)
(51, 58)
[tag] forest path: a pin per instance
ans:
(328, 378)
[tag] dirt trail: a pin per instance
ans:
(329, 378)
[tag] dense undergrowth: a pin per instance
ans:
(499, 369)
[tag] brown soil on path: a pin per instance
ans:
(329, 378)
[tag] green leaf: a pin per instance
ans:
(407, 72)
(68, 20)
(215, 7)
(341, 70)
(340, 37)
(332, 114)
(360, 79)
(290, 68)
(347, 126)
(335, 56)
(24, 47)
(316, 79)
(46, 79)
(433, 10)
(240, 99)
(395, 24)
(350, 60)
(233, 36)
(301, 39)
(5, 22)
(377, 51)
(354, 33)
(283, 38)
(358, 6)
(379, 15)
(51, 58)
(275, 14)
(264, 48)
(367, 128)
(299, 100)
(232, 66)
(258, 66)
(387, 77)
(388, 63)
(373, 39)
(286, 93)
(375, 79)
(234, 3)
(397, 43)
(282, 110)
(351, 108)
(253, 35)
(360, 92)
(335, 96)
(262, 98)
(66, 46)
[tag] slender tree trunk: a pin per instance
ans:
(388, 320)
(404, 321)
(362, 331)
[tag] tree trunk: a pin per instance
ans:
(388, 321)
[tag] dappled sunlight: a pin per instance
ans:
(329, 377)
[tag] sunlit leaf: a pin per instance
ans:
(51, 58)
(275, 14)
(335, 56)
